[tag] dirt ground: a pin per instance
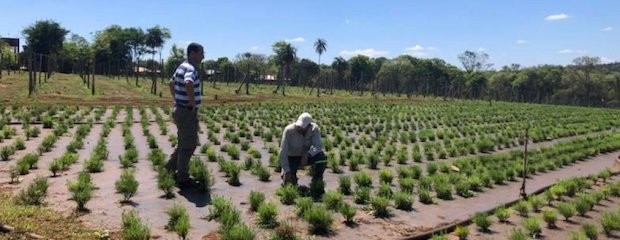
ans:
(106, 209)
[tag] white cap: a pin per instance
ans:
(304, 120)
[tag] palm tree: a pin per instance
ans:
(155, 39)
(320, 46)
(285, 55)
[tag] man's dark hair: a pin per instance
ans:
(193, 47)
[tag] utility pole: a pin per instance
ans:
(524, 174)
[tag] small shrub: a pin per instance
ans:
(483, 221)
(20, 144)
(333, 200)
(574, 235)
(386, 175)
(590, 230)
(502, 213)
(81, 190)
(610, 222)
(461, 232)
(238, 232)
(344, 185)
(267, 215)
(133, 228)
(284, 231)
(165, 182)
(127, 185)
(536, 202)
(582, 205)
(233, 174)
(263, 173)
(380, 207)
(176, 212)
(255, 199)
(287, 194)
(363, 179)
(302, 205)
(403, 201)
(550, 217)
(567, 210)
(35, 193)
(219, 206)
(348, 212)
(532, 226)
(201, 174)
(425, 196)
(157, 157)
(320, 220)
(522, 208)
(362, 195)
(444, 190)
(407, 184)
(385, 191)
(517, 234)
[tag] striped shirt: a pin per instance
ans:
(185, 72)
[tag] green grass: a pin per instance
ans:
(40, 220)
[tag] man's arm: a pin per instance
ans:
(284, 152)
(171, 85)
(189, 86)
(316, 137)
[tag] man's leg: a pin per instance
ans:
(291, 176)
(317, 171)
(171, 165)
(188, 140)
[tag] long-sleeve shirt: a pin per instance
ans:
(295, 144)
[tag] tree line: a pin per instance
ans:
(131, 52)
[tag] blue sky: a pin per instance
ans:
(527, 32)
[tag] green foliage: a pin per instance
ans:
(522, 208)
(201, 174)
(502, 213)
(35, 193)
(483, 221)
(532, 226)
(462, 232)
(320, 220)
(287, 194)
(348, 212)
(333, 200)
(363, 179)
(403, 200)
(590, 230)
(133, 227)
(178, 220)
(255, 199)
(567, 210)
(380, 207)
(127, 185)
(344, 185)
(550, 217)
(362, 195)
(302, 205)
(268, 215)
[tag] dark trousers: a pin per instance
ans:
(294, 163)
(186, 121)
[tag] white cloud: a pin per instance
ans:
(608, 29)
(415, 48)
(370, 52)
(556, 17)
(419, 50)
(482, 49)
(254, 48)
(297, 39)
(347, 21)
(606, 60)
(520, 41)
(567, 51)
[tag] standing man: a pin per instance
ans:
(185, 90)
(301, 145)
